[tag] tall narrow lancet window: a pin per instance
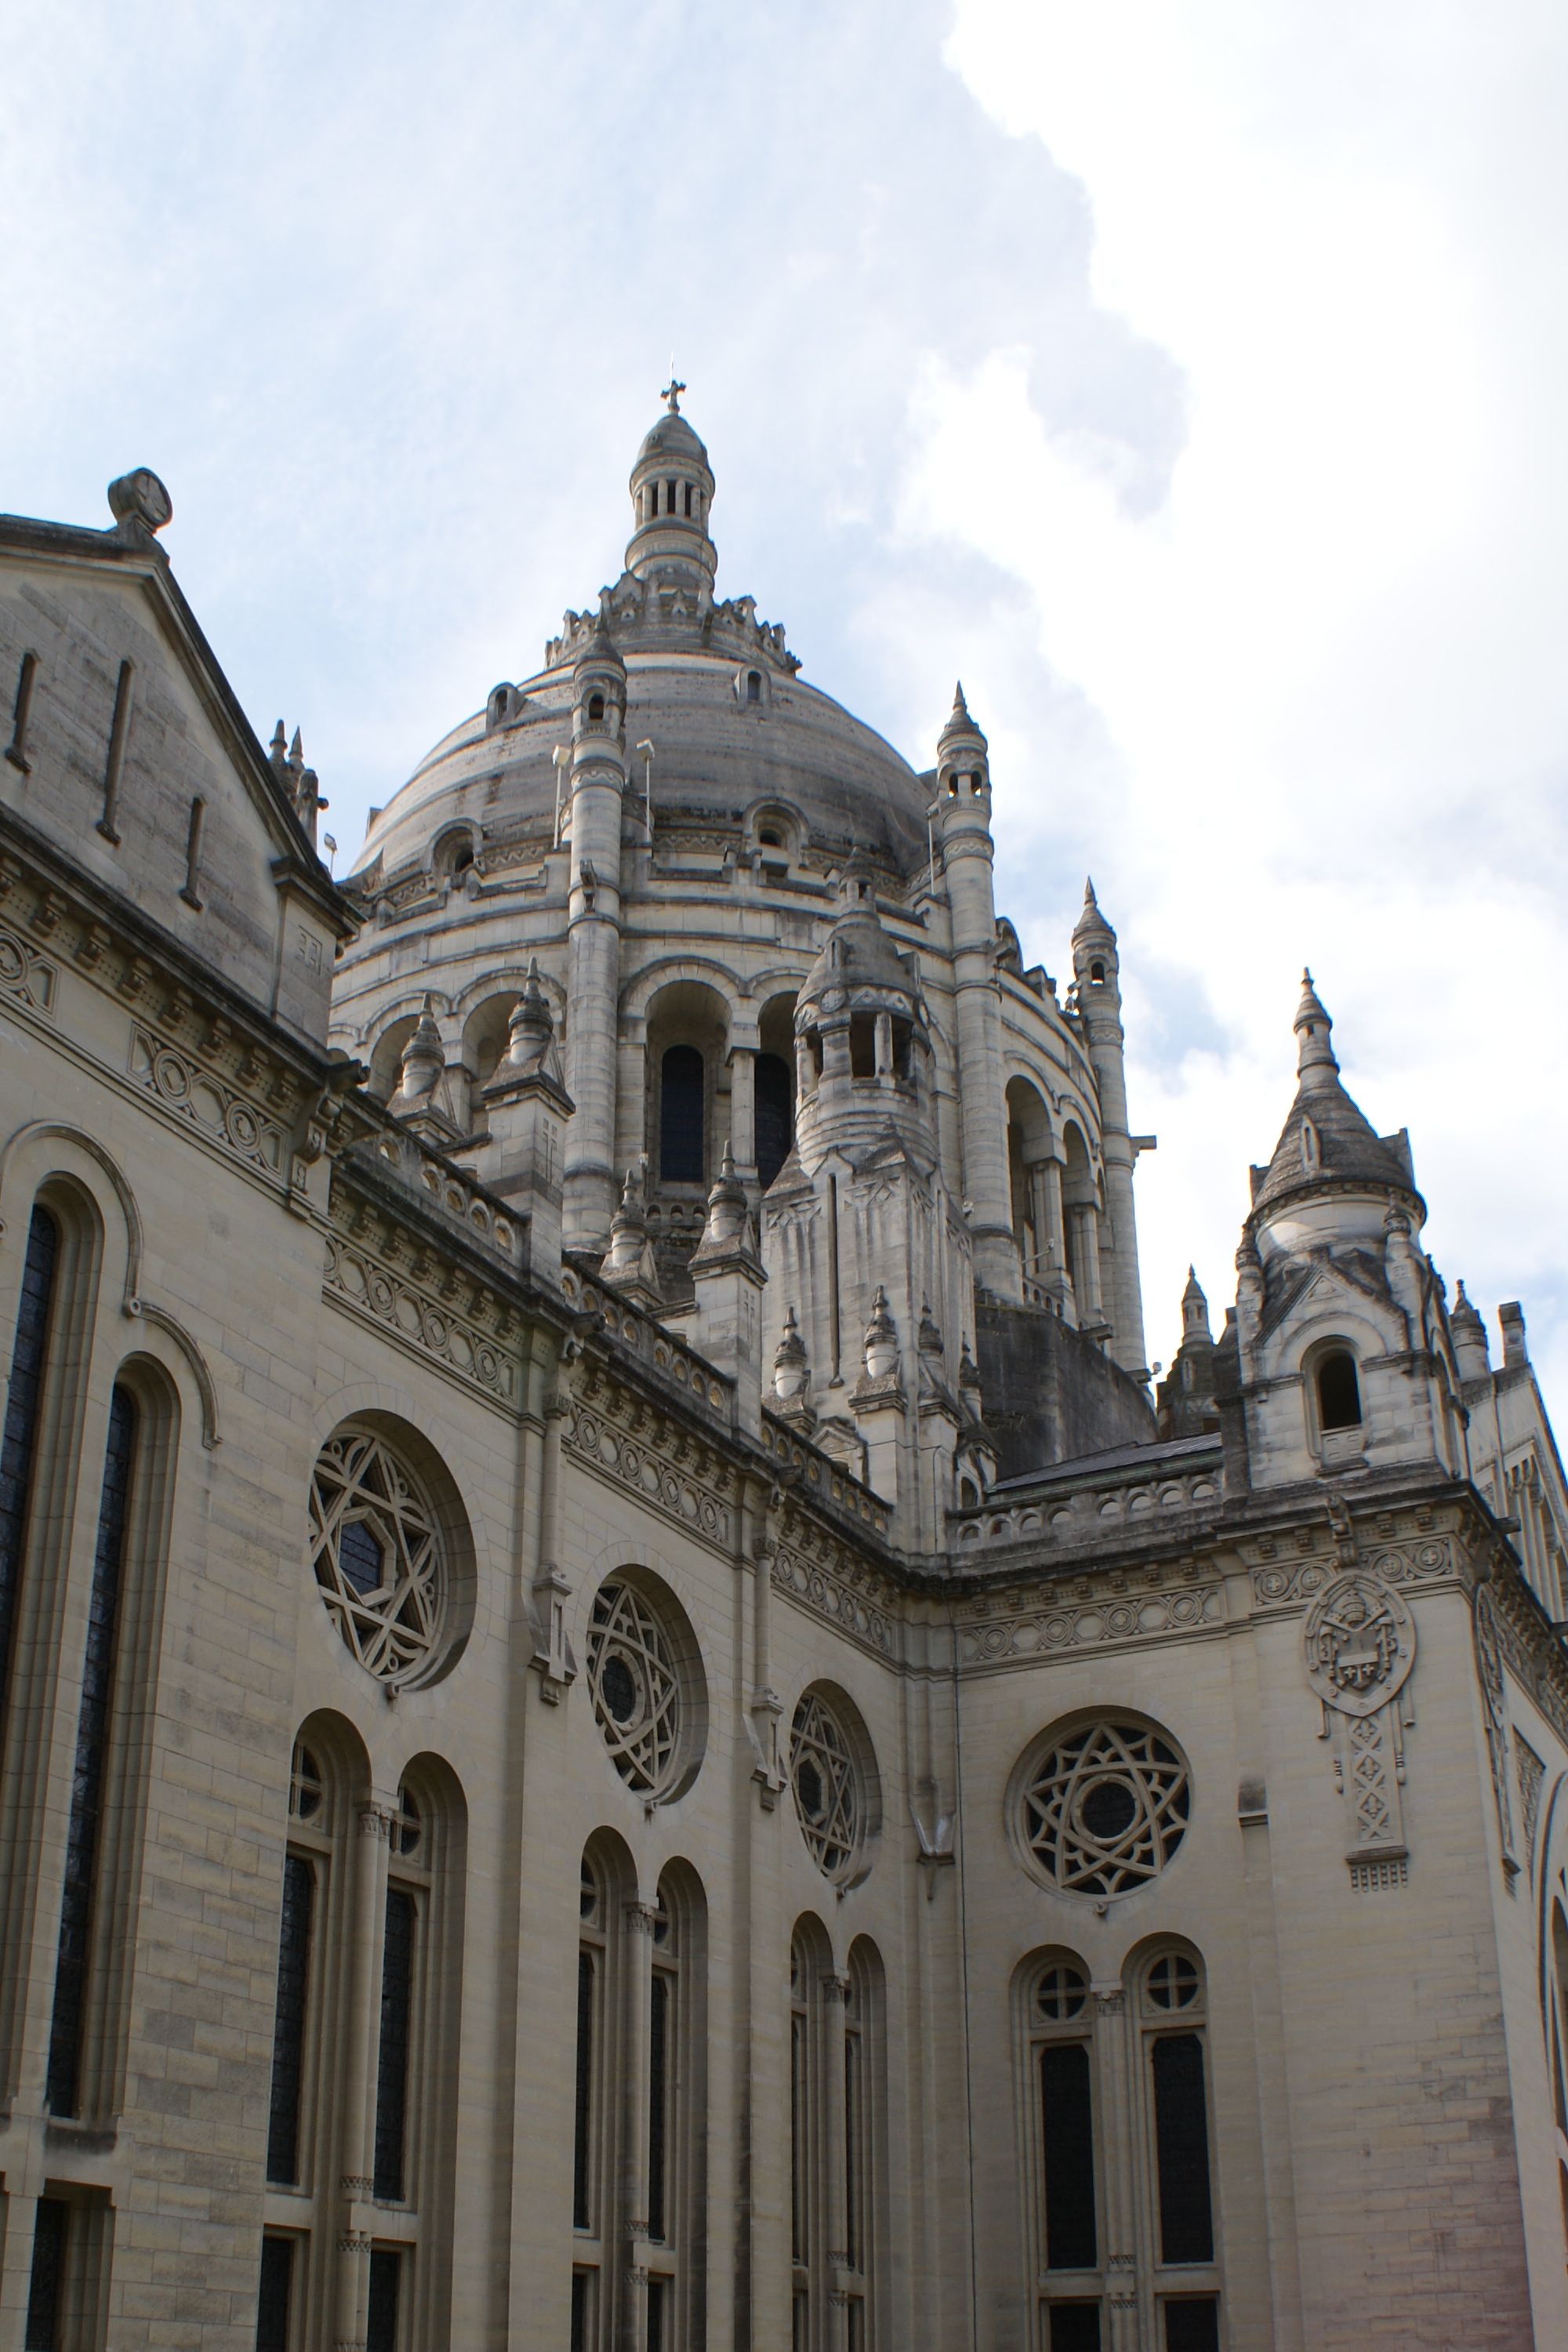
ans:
(88, 1785)
(775, 1114)
(1187, 2280)
(682, 1112)
(817, 2121)
(408, 1880)
(1058, 2019)
(295, 1940)
(864, 2101)
(677, 2060)
(639, 2150)
(599, 2099)
(19, 1443)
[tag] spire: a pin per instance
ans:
(1091, 924)
(882, 1339)
(423, 1062)
(532, 1028)
(1315, 1062)
(792, 1370)
(1326, 1140)
(1471, 1354)
(1194, 1310)
(960, 728)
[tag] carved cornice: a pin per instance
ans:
(611, 1427)
(816, 1568)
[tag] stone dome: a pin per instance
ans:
(735, 731)
(673, 436)
(718, 759)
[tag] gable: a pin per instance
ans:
(138, 763)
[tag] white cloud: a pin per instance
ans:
(1190, 380)
(1327, 662)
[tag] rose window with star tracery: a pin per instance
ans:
(635, 1687)
(826, 1787)
(1105, 1808)
(377, 1551)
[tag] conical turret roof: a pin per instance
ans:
(1326, 1139)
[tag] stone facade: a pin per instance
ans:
(622, 1726)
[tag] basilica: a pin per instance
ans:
(627, 1723)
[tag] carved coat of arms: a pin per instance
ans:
(1360, 1642)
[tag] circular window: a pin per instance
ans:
(377, 1551)
(1061, 1992)
(1104, 1808)
(636, 1685)
(1173, 1982)
(827, 1794)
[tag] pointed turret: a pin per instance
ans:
(1471, 1354)
(1194, 1310)
(724, 1323)
(424, 1060)
(1091, 925)
(1108, 1244)
(1185, 1399)
(961, 823)
(962, 745)
(1326, 1145)
(1335, 1372)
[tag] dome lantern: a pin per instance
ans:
(672, 493)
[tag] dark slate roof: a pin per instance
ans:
(1326, 1139)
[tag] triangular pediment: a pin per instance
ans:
(144, 771)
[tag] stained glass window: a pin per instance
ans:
(92, 1755)
(18, 1440)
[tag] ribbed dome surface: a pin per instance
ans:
(714, 758)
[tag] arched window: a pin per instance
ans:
(641, 2019)
(774, 1115)
(1171, 2013)
(24, 1400)
(69, 2023)
(815, 2122)
(838, 2106)
(596, 706)
(367, 2090)
(682, 1113)
(1061, 2104)
(754, 685)
(1339, 1391)
(1089, 2157)
(1556, 1975)
(865, 2143)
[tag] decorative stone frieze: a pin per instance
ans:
(1043, 1625)
(191, 1090)
(610, 1427)
(25, 975)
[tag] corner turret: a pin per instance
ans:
(1097, 972)
(961, 822)
(598, 781)
(1345, 1362)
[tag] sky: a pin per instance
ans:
(1192, 381)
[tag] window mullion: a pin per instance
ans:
(834, 2214)
(636, 2025)
(1124, 2219)
(355, 2136)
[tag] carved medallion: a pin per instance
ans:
(1359, 1642)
